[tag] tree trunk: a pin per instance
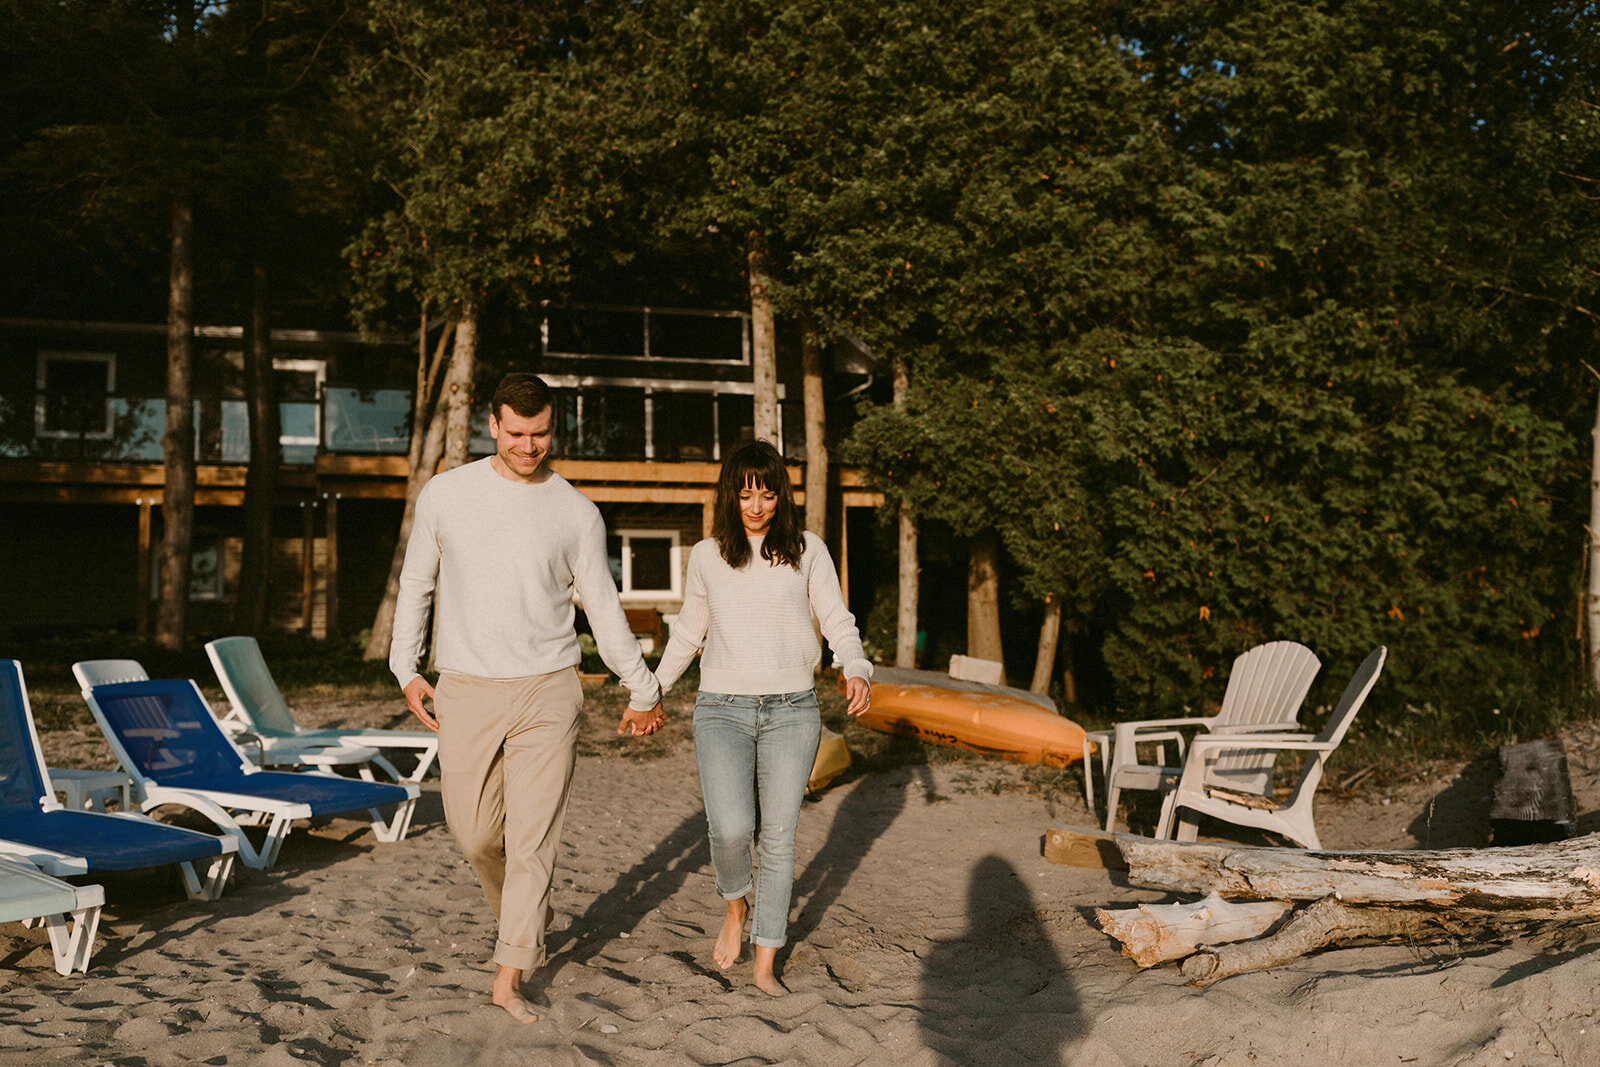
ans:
(905, 649)
(816, 432)
(427, 446)
(457, 399)
(1044, 660)
(261, 480)
(177, 444)
(983, 598)
(763, 343)
(1592, 607)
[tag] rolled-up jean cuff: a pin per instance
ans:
(749, 887)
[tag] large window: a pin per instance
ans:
(646, 563)
(74, 394)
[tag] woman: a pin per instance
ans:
(749, 598)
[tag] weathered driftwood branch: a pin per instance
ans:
(1318, 925)
(1561, 877)
(1419, 895)
(1155, 933)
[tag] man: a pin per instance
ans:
(498, 548)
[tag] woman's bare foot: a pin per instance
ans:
(730, 939)
(508, 994)
(765, 980)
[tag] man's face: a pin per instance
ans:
(522, 443)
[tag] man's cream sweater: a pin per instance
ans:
(499, 560)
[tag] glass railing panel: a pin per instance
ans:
(370, 421)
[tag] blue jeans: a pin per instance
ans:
(756, 750)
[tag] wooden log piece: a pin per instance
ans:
(1321, 924)
(1154, 933)
(1549, 880)
(1073, 847)
(1533, 798)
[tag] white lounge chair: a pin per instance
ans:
(70, 913)
(1266, 688)
(259, 708)
(264, 752)
(1195, 795)
(165, 737)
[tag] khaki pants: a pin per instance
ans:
(506, 755)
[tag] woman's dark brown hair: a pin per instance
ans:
(756, 463)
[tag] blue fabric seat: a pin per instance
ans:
(35, 827)
(167, 739)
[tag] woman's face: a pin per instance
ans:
(756, 507)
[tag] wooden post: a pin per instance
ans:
(1591, 614)
(1533, 798)
(330, 523)
(143, 614)
(308, 529)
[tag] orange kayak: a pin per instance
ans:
(989, 719)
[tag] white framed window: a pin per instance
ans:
(300, 383)
(651, 564)
(74, 391)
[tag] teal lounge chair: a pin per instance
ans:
(70, 913)
(259, 708)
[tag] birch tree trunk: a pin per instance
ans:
(261, 479)
(427, 447)
(457, 398)
(983, 598)
(1044, 661)
(905, 649)
(763, 342)
(177, 444)
(1591, 612)
(816, 432)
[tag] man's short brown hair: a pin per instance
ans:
(525, 394)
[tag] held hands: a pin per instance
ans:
(417, 690)
(859, 690)
(639, 723)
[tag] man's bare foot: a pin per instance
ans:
(730, 939)
(508, 994)
(765, 980)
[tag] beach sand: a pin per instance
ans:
(926, 929)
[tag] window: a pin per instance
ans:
(74, 394)
(646, 563)
(299, 383)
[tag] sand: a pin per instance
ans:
(926, 929)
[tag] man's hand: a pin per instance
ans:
(417, 690)
(639, 723)
(859, 690)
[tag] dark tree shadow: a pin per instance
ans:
(1458, 815)
(642, 888)
(999, 992)
(870, 809)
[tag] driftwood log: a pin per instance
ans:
(1155, 933)
(1380, 894)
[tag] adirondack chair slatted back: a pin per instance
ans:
(22, 787)
(166, 731)
(1338, 724)
(1267, 687)
(244, 675)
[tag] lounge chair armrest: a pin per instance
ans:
(1281, 742)
(155, 796)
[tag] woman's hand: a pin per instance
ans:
(859, 690)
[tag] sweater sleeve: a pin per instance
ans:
(612, 635)
(419, 576)
(689, 631)
(834, 619)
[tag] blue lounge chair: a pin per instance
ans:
(264, 751)
(259, 709)
(167, 740)
(35, 827)
(70, 913)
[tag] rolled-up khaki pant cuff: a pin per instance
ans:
(517, 957)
